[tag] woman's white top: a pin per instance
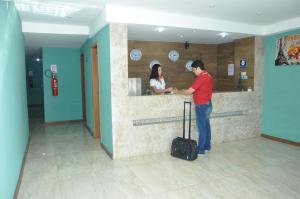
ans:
(158, 84)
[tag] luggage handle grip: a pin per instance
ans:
(190, 103)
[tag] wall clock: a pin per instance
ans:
(135, 54)
(188, 65)
(173, 55)
(154, 61)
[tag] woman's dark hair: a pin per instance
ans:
(154, 71)
(198, 63)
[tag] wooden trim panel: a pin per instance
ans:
(63, 122)
(281, 140)
(22, 169)
(95, 82)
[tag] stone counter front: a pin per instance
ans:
(152, 122)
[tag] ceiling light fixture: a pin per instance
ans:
(223, 34)
(160, 29)
(38, 59)
(181, 36)
(258, 13)
(212, 5)
(52, 8)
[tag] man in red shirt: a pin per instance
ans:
(202, 92)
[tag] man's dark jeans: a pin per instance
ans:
(203, 112)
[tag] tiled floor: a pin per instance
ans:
(65, 162)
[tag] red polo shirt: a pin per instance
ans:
(203, 86)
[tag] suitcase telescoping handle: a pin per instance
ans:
(190, 105)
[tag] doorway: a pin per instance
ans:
(83, 89)
(96, 97)
(35, 88)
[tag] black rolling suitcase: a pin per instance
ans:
(185, 148)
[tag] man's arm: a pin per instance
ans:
(188, 91)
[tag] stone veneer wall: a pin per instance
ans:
(130, 140)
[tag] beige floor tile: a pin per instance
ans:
(65, 162)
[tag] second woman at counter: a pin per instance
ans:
(157, 82)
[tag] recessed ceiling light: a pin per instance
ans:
(181, 36)
(223, 34)
(258, 13)
(38, 59)
(160, 29)
(212, 5)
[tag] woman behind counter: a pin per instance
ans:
(157, 82)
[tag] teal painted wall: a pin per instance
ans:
(281, 95)
(35, 95)
(102, 39)
(68, 104)
(13, 100)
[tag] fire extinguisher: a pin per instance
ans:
(54, 85)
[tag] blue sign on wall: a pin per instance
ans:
(243, 63)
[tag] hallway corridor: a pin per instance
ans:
(65, 162)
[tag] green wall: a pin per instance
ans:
(35, 95)
(68, 104)
(102, 39)
(281, 97)
(13, 101)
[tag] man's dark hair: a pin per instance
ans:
(154, 72)
(198, 63)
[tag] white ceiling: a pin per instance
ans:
(90, 9)
(244, 13)
(34, 42)
(269, 11)
(172, 34)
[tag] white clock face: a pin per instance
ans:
(154, 61)
(173, 55)
(135, 54)
(188, 65)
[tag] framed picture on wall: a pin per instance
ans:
(287, 50)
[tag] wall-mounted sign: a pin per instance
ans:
(53, 68)
(30, 73)
(244, 75)
(243, 63)
(230, 69)
(288, 50)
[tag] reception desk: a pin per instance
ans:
(147, 124)
(153, 121)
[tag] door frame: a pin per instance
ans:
(96, 95)
(83, 89)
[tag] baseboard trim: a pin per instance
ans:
(63, 122)
(89, 130)
(22, 169)
(281, 140)
(107, 151)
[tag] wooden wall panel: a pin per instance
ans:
(244, 48)
(226, 55)
(215, 58)
(174, 72)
